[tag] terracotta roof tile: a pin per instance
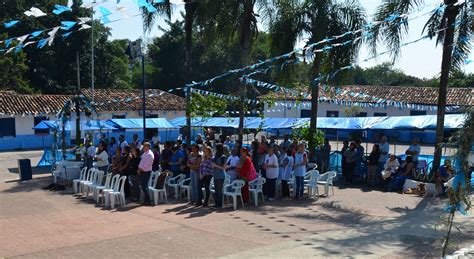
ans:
(13, 103)
(406, 94)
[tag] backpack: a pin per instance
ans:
(160, 182)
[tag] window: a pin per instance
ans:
(415, 112)
(152, 116)
(380, 114)
(38, 120)
(118, 116)
(305, 114)
(332, 114)
(7, 127)
(362, 114)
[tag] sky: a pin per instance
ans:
(422, 59)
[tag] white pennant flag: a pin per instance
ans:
(22, 38)
(52, 34)
(30, 42)
(83, 20)
(85, 27)
(34, 12)
(123, 11)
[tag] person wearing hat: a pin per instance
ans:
(144, 170)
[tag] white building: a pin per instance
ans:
(19, 113)
(393, 101)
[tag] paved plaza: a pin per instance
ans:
(355, 222)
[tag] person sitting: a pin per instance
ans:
(406, 172)
(116, 161)
(443, 175)
(390, 168)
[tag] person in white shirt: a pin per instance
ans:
(414, 150)
(384, 148)
(390, 166)
(122, 143)
(156, 140)
(232, 163)
(102, 157)
(286, 167)
(270, 164)
(137, 143)
(89, 154)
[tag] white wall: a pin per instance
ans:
(279, 111)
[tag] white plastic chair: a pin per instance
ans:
(234, 190)
(96, 181)
(173, 184)
(185, 188)
(76, 182)
(58, 170)
(151, 182)
(256, 187)
(106, 191)
(88, 179)
(118, 195)
(327, 180)
(96, 189)
(311, 183)
(156, 194)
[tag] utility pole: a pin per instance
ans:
(78, 100)
(144, 95)
(92, 54)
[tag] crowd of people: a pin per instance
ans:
(201, 162)
(221, 157)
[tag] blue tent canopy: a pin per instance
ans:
(452, 121)
(85, 125)
(152, 123)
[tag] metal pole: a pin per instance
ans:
(144, 96)
(92, 52)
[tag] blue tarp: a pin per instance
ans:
(452, 121)
(151, 123)
(85, 125)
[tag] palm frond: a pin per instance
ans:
(391, 32)
(149, 18)
(463, 41)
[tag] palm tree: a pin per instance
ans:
(317, 19)
(231, 20)
(452, 25)
(189, 17)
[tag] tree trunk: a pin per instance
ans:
(315, 70)
(190, 8)
(451, 12)
(245, 43)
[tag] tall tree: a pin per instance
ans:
(453, 27)
(318, 19)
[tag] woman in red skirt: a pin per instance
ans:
(246, 172)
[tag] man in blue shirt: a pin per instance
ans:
(176, 160)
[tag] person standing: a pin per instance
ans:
(137, 143)
(165, 157)
(205, 171)
(156, 159)
(89, 155)
(232, 163)
(156, 140)
(270, 165)
(132, 163)
(286, 143)
(111, 148)
(351, 161)
(219, 165)
(384, 148)
(301, 161)
(286, 166)
(246, 172)
(122, 143)
(102, 157)
(414, 150)
(345, 147)
(373, 164)
(194, 161)
(144, 171)
(325, 155)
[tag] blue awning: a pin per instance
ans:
(45, 124)
(85, 125)
(151, 123)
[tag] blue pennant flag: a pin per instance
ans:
(104, 11)
(59, 9)
(67, 25)
(11, 23)
(42, 43)
(8, 42)
(35, 34)
(19, 48)
(65, 35)
(105, 19)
